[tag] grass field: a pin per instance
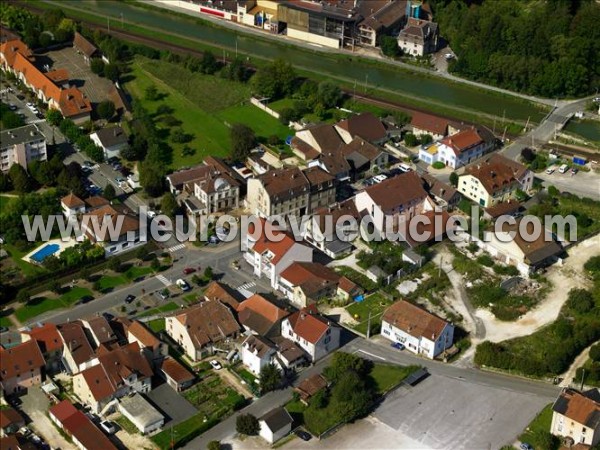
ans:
(541, 424)
(40, 305)
(136, 272)
(387, 376)
(107, 282)
(376, 304)
(156, 325)
(5, 322)
(205, 105)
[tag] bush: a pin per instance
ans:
(97, 66)
(247, 424)
(214, 445)
(506, 270)
(438, 165)
(411, 140)
(485, 260)
(580, 300)
(595, 353)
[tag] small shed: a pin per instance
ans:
(275, 424)
(175, 374)
(141, 413)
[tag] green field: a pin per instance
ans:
(136, 272)
(107, 282)
(156, 325)
(387, 376)
(205, 105)
(538, 426)
(40, 305)
(376, 304)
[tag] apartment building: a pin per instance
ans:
(22, 146)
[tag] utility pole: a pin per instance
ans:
(504, 134)
(527, 124)
(494, 130)
(108, 20)
(369, 326)
(582, 377)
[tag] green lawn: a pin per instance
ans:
(281, 104)
(135, 272)
(5, 322)
(156, 325)
(110, 282)
(387, 376)
(127, 425)
(170, 306)
(541, 423)
(40, 305)
(263, 124)
(376, 304)
(28, 269)
(190, 298)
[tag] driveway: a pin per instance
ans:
(35, 405)
(174, 406)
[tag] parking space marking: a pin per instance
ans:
(164, 280)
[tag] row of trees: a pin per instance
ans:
(52, 27)
(312, 97)
(545, 48)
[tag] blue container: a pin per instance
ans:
(579, 160)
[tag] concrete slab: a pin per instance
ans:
(175, 408)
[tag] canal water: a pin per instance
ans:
(411, 83)
(587, 129)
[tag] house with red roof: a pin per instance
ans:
(260, 316)
(312, 332)
(50, 343)
(21, 367)
(418, 330)
(271, 251)
(79, 427)
(457, 150)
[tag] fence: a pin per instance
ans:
(256, 102)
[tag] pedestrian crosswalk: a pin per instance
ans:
(164, 280)
(247, 289)
(176, 247)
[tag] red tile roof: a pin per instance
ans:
(98, 382)
(83, 45)
(463, 140)
(311, 385)
(260, 314)
(63, 410)
(497, 173)
(9, 442)
(309, 324)
(223, 293)
(9, 416)
(11, 48)
(312, 278)
(429, 123)
(414, 320)
(58, 76)
(176, 371)
(207, 322)
(278, 249)
(76, 341)
(72, 201)
(72, 102)
(47, 337)
(143, 334)
(20, 359)
(579, 407)
(36, 78)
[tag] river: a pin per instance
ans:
(587, 129)
(401, 81)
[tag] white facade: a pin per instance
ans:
(255, 362)
(327, 343)
(263, 265)
(419, 345)
(22, 146)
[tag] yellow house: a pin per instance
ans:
(494, 180)
(576, 416)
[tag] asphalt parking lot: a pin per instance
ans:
(80, 75)
(172, 404)
(443, 412)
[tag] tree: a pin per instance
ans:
(247, 424)
(97, 66)
(343, 362)
(168, 204)
(544, 440)
(55, 286)
(454, 179)
(54, 117)
(151, 93)
(209, 63)
(111, 71)
(270, 378)
(243, 141)
(352, 398)
(528, 154)
(114, 264)
(45, 40)
(155, 264)
(401, 118)
(109, 192)
(106, 109)
(142, 253)
(595, 353)
(23, 296)
(180, 137)
(287, 115)
(273, 140)
(5, 183)
(580, 300)
(86, 274)
(208, 273)
(214, 445)
(151, 178)
(329, 94)
(426, 139)
(411, 140)
(389, 46)
(19, 179)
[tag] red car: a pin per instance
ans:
(188, 270)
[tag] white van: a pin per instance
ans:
(404, 167)
(563, 168)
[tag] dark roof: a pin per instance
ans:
(538, 250)
(387, 13)
(365, 125)
(112, 136)
(277, 418)
(21, 135)
(311, 385)
(430, 123)
(400, 190)
(418, 30)
(326, 137)
(438, 188)
(285, 184)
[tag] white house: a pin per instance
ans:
(275, 424)
(392, 203)
(494, 180)
(315, 334)
(576, 417)
(72, 206)
(419, 331)
(527, 255)
(258, 352)
(457, 150)
(269, 258)
(111, 140)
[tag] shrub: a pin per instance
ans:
(438, 165)
(580, 300)
(247, 424)
(485, 260)
(214, 445)
(506, 270)
(595, 353)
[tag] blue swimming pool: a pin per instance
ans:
(44, 252)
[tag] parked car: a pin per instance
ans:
(151, 214)
(163, 295)
(183, 285)
(398, 345)
(525, 446)
(216, 364)
(108, 316)
(12, 107)
(109, 427)
(20, 96)
(39, 115)
(563, 168)
(574, 170)
(404, 167)
(304, 435)
(130, 298)
(550, 170)
(119, 180)
(188, 270)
